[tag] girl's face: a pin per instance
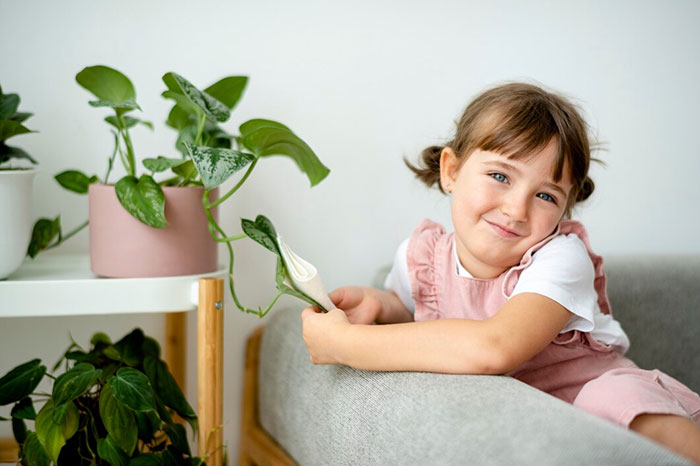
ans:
(502, 207)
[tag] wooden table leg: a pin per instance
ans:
(210, 331)
(176, 345)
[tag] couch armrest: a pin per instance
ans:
(337, 415)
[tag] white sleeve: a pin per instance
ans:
(563, 271)
(398, 280)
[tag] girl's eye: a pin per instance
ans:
(500, 177)
(547, 197)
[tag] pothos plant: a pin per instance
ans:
(10, 126)
(114, 404)
(209, 155)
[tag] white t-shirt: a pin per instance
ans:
(561, 270)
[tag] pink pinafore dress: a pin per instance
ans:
(574, 367)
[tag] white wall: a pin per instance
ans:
(364, 83)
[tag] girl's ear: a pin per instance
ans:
(449, 166)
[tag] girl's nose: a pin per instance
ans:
(515, 206)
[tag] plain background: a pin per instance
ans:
(364, 83)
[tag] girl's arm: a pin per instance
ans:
(522, 327)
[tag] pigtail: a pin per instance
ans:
(586, 189)
(430, 172)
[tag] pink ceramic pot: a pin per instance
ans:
(121, 246)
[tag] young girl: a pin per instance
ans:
(515, 289)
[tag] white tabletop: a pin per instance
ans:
(62, 285)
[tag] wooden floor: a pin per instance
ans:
(256, 447)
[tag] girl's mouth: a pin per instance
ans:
(501, 231)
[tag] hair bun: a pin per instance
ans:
(586, 189)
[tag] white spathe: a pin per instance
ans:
(304, 276)
(16, 220)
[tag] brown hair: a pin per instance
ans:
(517, 119)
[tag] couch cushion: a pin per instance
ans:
(336, 415)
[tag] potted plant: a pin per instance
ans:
(114, 404)
(209, 156)
(16, 182)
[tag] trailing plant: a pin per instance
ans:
(209, 155)
(114, 404)
(10, 126)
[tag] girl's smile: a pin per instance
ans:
(501, 207)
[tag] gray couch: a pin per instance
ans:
(336, 415)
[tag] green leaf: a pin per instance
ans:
(130, 122)
(151, 347)
(212, 108)
(34, 452)
(108, 450)
(8, 105)
(106, 84)
(143, 198)
(11, 152)
(131, 347)
(178, 437)
(126, 105)
(74, 383)
(216, 165)
(187, 170)
(132, 389)
(183, 103)
(167, 388)
(148, 423)
(53, 434)
(262, 232)
(100, 338)
(19, 430)
(76, 181)
(11, 128)
(21, 381)
(20, 116)
(228, 90)
(146, 459)
(43, 233)
(119, 421)
(162, 163)
(24, 409)
(266, 138)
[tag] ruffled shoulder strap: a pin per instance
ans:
(564, 228)
(421, 259)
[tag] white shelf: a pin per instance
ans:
(63, 285)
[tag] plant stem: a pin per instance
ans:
(64, 238)
(234, 189)
(111, 159)
(129, 147)
(200, 129)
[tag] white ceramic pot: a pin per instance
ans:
(16, 220)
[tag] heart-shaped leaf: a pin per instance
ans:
(74, 383)
(43, 233)
(161, 163)
(107, 84)
(76, 181)
(21, 381)
(146, 459)
(109, 451)
(132, 388)
(266, 138)
(216, 165)
(8, 105)
(130, 347)
(167, 388)
(119, 421)
(143, 198)
(211, 107)
(228, 90)
(34, 452)
(11, 128)
(53, 433)
(24, 409)
(262, 232)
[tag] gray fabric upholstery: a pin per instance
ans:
(336, 415)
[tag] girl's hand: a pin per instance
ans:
(361, 304)
(324, 334)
